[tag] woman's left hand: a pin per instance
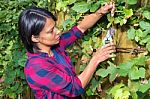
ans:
(106, 8)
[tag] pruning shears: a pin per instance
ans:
(111, 31)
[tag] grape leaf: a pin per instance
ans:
(102, 72)
(145, 87)
(132, 2)
(146, 14)
(81, 7)
(144, 25)
(131, 33)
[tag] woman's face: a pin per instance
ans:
(49, 35)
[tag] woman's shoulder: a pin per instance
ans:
(39, 60)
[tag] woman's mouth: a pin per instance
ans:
(58, 38)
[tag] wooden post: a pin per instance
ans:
(122, 41)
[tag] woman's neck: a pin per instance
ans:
(44, 50)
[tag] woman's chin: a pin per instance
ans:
(57, 42)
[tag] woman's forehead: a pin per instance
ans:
(50, 23)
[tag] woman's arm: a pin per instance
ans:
(91, 19)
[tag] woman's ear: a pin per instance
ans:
(35, 39)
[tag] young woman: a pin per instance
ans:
(48, 70)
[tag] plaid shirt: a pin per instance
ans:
(54, 77)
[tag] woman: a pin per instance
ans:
(48, 70)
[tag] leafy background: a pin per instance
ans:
(126, 76)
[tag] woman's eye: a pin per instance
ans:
(50, 31)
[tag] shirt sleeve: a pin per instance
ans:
(68, 38)
(45, 76)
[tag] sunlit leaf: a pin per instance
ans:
(94, 84)
(144, 25)
(136, 73)
(123, 72)
(118, 93)
(89, 92)
(146, 14)
(148, 46)
(116, 87)
(140, 61)
(145, 40)
(15, 87)
(71, 1)
(95, 6)
(133, 85)
(134, 95)
(102, 72)
(66, 23)
(60, 5)
(143, 88)
(139, 33)
(113, 75)
(81, 7)
(131, 33)
(128, 13)
(131, 2)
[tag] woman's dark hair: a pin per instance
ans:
(31, 22)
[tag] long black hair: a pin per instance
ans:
(31, 22)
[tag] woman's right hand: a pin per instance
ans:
(104, 53)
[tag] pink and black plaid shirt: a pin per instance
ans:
(54, 77)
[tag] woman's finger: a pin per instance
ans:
(108, 45)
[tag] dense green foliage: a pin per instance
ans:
(129, 14)
(12, 53)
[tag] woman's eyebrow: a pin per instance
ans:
(50, 29)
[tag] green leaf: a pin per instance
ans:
(136, 73)
(143, 88)
(141, 72)
(102, 72)
(131, 33)
(81, 7)
(125, 94)
(118, 94)
(117, 20)
(111, 69)
(133, 86)
(15, 87)
(132, 2)
(5, 27)
(61, 5)
(20, 90)
(89, 92)
(3, 14)
(148, 46)
(71, 1)
(95, 6)
(66, 23)
(123, 72)
(145, 40)
(116, 87)
(139, 33)
(120, 91)
(113, 75)
(146, 14)
(134, 95)
(7, 91)
(128, 13)
(144, 25)
(139, 61)
(127, 65)
(94, 84)
(9, 80)
(145, 33)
